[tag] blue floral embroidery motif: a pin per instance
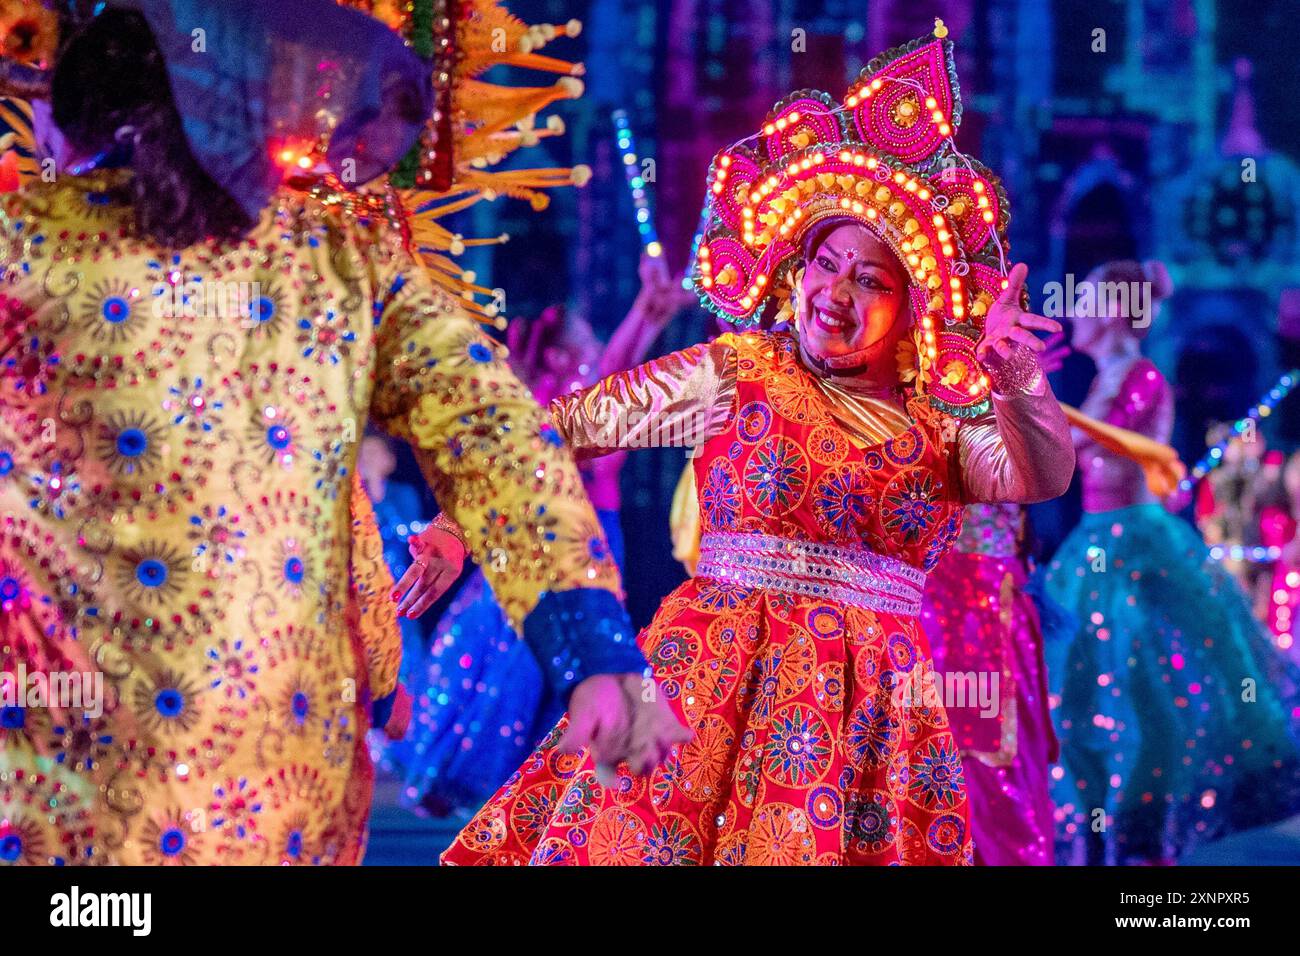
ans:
(720, 498)
(909, 507)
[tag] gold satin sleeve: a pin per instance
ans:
(678, 401)
(1018, 453)
(497, 467)
(374, 612)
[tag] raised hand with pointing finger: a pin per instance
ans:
(1009, 348)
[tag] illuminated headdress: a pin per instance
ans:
(883, 156)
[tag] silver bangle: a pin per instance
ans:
(1017, 375)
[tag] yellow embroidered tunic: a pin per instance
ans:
(177, 441)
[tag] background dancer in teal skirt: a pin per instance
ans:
(1174, 713)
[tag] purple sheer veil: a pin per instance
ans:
(251, 75)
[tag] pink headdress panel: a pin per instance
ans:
(884, 156)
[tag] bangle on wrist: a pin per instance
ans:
(1017, 374)
(443, 523)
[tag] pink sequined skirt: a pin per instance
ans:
(988, 653)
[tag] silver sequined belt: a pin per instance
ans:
(851, 575)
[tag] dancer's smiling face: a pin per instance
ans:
(854, 309)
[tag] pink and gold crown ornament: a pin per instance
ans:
(884, 156)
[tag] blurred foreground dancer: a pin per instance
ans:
(1167, 696)
(832, 467)
(480, 705)
(176, 475)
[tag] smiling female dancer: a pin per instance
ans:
(830, 485)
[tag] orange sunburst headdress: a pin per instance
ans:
(883, 155)
(17, 144)
(475, 124)
(29, 35)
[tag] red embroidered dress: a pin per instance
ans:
(802, 753)
(793, 655)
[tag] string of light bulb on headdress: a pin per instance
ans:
(884, 155)
(949, 142)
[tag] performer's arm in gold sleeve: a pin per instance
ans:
(500, 471)
(677, 401)
(1021, 450)
(371, 585)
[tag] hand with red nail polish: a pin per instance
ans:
(437, 558)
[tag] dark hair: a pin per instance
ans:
(110, 89)
(816, 233)
(820, 231)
